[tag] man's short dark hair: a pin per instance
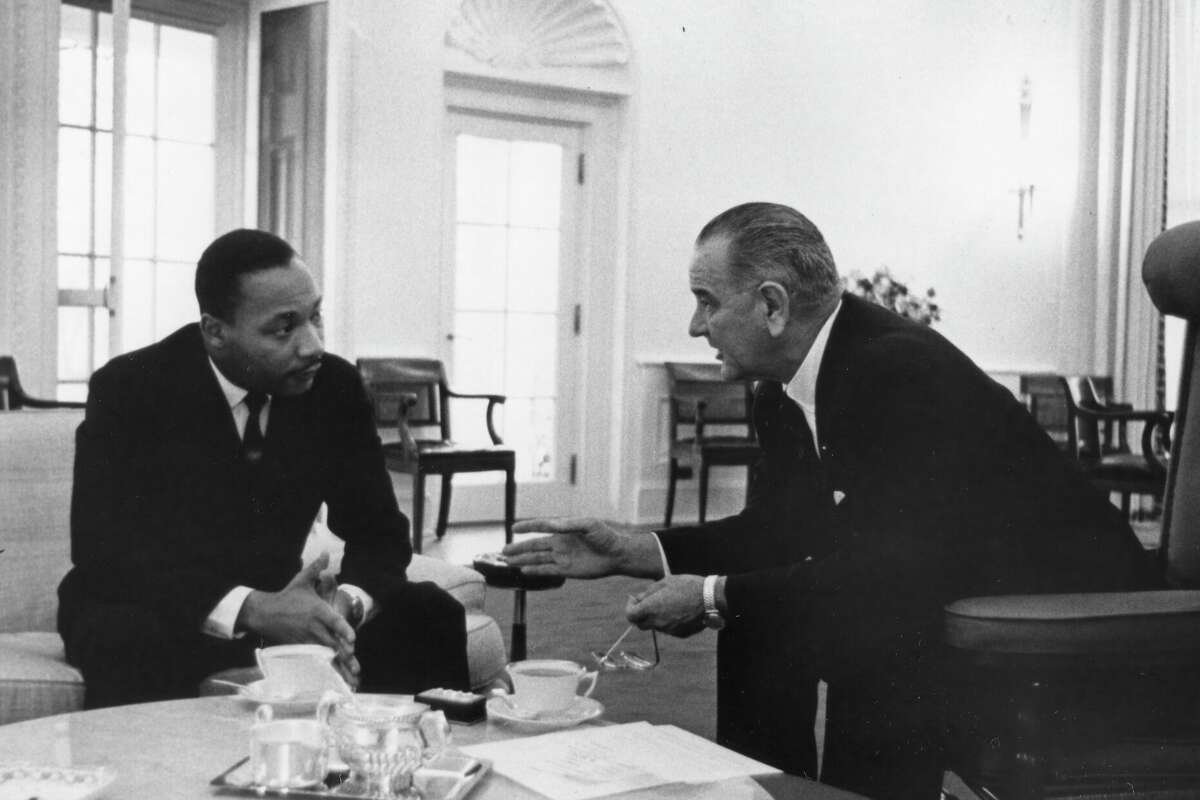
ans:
(227, 259)
(769, 241)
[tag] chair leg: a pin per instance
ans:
(703, 490)
(510, 504)
(444, 505)
(672, 477)
(1125, 505)
(418, 520)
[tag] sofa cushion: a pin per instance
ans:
(35, 681)
(36, 462)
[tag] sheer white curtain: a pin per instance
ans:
(1121, 207)
(28, 159)
(1183, 152)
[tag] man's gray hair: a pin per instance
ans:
(772, 242)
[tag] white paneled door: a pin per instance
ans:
(512, 311)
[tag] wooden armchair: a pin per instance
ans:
(1097, 427)
(411, 395)
(701, 401)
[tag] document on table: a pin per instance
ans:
(586, 763)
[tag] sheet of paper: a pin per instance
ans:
(586, 763)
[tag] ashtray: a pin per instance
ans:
(450, 776)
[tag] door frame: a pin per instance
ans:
(600, 274)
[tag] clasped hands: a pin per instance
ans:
(309, 610)
(590, 548)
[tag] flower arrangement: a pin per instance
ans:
(884, 290)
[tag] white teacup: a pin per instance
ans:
(547, 685)
(287, 753)
(291, 670)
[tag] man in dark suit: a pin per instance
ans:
(200, 466)
(896, 476)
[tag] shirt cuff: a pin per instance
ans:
(367, 602)
(662, 555)
(223, 619)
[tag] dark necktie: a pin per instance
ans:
(794, 429)
(252, 439)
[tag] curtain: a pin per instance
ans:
(1123, 147)
(28, 169)
(1183, 157)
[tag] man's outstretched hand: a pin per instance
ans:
(299, 613)
(582, 548)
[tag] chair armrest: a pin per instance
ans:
(493, 401)
(1154, 420)
(1141, 625)
(37, 402)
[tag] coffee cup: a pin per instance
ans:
(287, 753)
(548, 685)
(291, 670)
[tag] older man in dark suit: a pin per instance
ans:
(200, 466)
(896, 477)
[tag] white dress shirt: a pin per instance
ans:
(802, 388)
(222, 620)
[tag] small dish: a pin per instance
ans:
(583, 709)
(259, 693)
(60, 783)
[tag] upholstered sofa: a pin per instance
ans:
(36, 455)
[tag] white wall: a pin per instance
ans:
(892, 125)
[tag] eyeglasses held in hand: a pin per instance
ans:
(612, 659)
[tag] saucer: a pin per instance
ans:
(258, 694)
(582, 710)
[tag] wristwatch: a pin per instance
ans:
(712, 616)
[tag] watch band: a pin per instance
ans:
(712, 615)
(710, 595)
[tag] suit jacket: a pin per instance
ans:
(163, 513)
(947, 488)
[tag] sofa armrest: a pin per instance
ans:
(463, 583)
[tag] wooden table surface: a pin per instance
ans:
(169, 750)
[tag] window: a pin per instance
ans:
(168, 185)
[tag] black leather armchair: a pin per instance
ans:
(1096, 695)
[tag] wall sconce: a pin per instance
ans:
(1024, 190)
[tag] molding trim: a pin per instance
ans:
(540, 33)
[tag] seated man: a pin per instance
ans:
(896, 477)
(200, 466)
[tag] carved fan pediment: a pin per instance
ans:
(539, 33)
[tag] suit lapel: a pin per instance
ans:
(193, 398)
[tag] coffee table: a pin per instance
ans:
(172, 750)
